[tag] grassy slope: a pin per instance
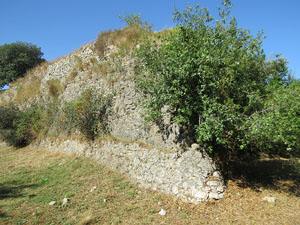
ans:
(29, 180)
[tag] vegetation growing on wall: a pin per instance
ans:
(88, 113)
(126, 38)
(26, 89)
(54, 87)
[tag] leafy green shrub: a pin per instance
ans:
(7, 127)
(19, 128)
(89, 113)
(212, 75)
(29, 124)
(276, 128)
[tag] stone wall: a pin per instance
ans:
(81, 70)
(190, 176)
(186, 173)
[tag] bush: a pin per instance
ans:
(7, 128)
(19, 128)
(276, 128)
(212, 75)
(89, 113)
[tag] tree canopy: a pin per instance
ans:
(16, 59)
(216, 82)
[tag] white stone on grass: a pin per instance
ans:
(216, 196)
(269, 199)
(52, 203)
(93, 189)
(175, 190)
(162, 212)
(65, 202)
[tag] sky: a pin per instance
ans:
(60, 27)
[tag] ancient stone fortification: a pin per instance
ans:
(186, 173)
(190, 176)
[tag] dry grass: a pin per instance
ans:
(125, 38)
(71, 76)
(31, 179)
(108, 70)
(31, 74)
(28, 86)
(80, 65)
(103, 68)
(28, 89)
(54, 87)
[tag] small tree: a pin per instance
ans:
(135, 20)
(16, 59)
(212, 75)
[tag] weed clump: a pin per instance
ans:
(88, 113)
(54, 87)
(125, 38)
(19, 128)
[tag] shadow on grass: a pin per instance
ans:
(275, 174)
(13, 189)
(3, 215)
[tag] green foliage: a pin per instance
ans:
(28, 124)
(89, 113)
(276, 128)
(7, 128)
(135, 20)
(19, 128)
(212, 75)
(16, 59)
(205, 70)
